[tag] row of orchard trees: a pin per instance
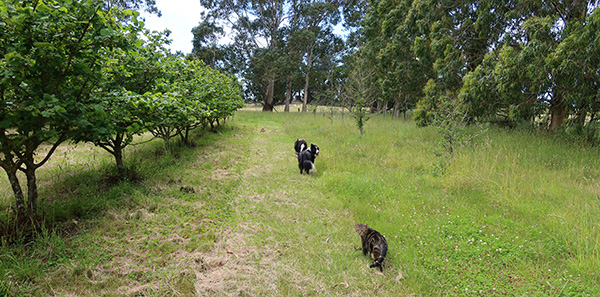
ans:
(516, 60)
(78, 70)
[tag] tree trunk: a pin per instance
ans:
(396, 108)
(288, 94)
(32, 193)
(305, 102)
(118, 154)
(307, 77)
(118, 150)
(185, 136)
(269, 96)
(17, 191)
(558, 112)
(581, 115)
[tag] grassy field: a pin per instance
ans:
(515, 214)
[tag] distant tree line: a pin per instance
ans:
(88, 71)
(510, 61)
(280, 48)
(506, 61)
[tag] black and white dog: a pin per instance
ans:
(306, 159)
(300, 145)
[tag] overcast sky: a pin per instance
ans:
(179, 16)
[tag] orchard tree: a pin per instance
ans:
(51, 55)
(137, 5)
(130, 73)
(189, 95)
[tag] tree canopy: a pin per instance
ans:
(81, 70)
(274, 44)
(508, 60)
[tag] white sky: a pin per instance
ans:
(179, 16)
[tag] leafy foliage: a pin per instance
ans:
(51, 54)
(529, 61)
(190, 95)
(275, 44)
(79, 70)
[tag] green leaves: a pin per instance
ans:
(50, 58)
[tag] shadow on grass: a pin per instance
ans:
(78, 194)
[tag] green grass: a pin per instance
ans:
(514, 214)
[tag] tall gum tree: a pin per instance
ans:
(256, 24)
(261, 29)
(317, 21)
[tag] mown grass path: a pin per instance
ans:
(499, 227)
(290, 238)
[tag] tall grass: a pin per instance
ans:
(514, 214)
(516, 211)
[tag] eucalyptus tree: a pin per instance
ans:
(456, 36)
(403, 72)
(256, 25)
(565, 19)
(577, 59)
(327, 71)
(291, 69)
(292, 49)
(316, 22)
(51, 56)
(263, 30)
(546, 66)
(206, 43)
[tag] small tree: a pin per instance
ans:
(113, 125)
(360, 115)
(360, 90)
(131, 72)
(451, 120)
(164, 115)
(51, 56)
